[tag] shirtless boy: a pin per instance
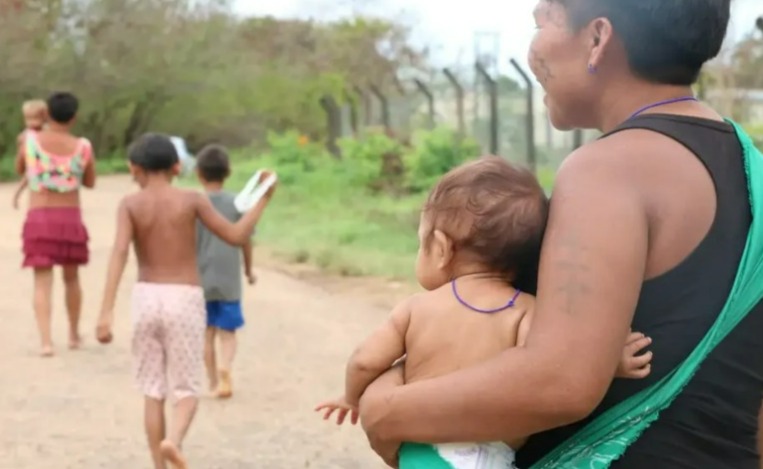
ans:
(481, 226)
(168, 308)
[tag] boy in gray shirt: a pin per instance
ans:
(220, 270)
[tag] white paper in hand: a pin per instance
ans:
(253, 192)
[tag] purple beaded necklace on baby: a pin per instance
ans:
(508, 305)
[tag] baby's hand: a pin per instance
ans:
(632, 366)
(343, 409)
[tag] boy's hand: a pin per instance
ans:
(634, 366)
(103, 330)
(251, 278)
(341, 407)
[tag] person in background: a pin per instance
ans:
(159, 221)
(57, 165)
(35, 114)
(220, 266)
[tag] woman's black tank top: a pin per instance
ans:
(713, 422)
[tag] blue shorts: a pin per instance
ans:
(225, 315)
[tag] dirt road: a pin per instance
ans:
(80, 410)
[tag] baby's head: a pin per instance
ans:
(486, 216)
(212, 164)
(153, 154)
(35, 114)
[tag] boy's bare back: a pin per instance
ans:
(163, 220)
(443, 335)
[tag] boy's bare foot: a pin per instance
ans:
(225, 388)
(47, 351)
(75, 342)
(173, 455)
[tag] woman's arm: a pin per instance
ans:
(592, 267)
(88, 178)
(20, 155)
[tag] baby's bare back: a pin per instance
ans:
(444, 336)
(164, 230)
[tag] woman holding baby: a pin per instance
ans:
(648, 230)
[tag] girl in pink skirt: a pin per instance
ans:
(56, 164)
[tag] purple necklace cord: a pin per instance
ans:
(508, 305)
(662, 103)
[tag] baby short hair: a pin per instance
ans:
(494, 211)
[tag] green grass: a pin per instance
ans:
(340, 229)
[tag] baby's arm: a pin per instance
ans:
(236, 234)
(377, 353)
(117, 263)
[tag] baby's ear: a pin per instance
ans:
(442, 249)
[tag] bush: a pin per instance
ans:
(434, 154)
(373, 161)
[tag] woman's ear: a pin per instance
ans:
(442, 247)
(600, 33)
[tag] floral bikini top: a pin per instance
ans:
(48, 172)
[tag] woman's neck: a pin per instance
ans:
(619, 102)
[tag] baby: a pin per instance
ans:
(35, 115)
(480, 230)
(168, 308)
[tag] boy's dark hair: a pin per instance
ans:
(667, 41)
(153, 153)
(62, 107)
(494, 211)
(212, 163)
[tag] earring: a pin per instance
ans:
(591, 69)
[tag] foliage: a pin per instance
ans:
(193, 69)
(434, 154)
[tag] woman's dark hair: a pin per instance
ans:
(212, 163)
(153, 153)
(62, 107)
(667, 41)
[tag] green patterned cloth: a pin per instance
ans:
(607, 437)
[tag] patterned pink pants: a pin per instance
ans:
(168, 339)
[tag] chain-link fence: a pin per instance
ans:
(503, 115)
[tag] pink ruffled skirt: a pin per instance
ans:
(54, 236)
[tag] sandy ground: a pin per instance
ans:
(80, 410)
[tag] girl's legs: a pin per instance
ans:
(155, 430)
(43, 288)
(73, 303)
(228, 345)
(210, 357)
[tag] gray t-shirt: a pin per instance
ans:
(219, 262)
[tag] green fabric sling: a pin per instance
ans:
(607, 437)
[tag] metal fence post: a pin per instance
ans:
(459, 100)
(530, 117)
(492, 88)
(384, 106)
(333, 124)
(424, 89)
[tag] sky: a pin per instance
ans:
(450, 32)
